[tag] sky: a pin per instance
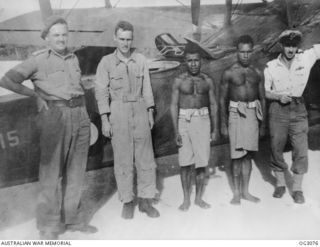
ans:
(11, 8)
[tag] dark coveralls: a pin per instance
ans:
(64, 135)
(123, 89)
(289, 121)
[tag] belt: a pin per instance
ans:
(252, 104)
(194, 112)
(297, 100)
(130, 98)
(72, 103)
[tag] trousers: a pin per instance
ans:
(133, 150)
(64, 145)
(289, 121)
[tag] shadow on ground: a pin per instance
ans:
(18, 203)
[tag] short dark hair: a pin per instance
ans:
(245, 39)
(124, 25)
(191, 49)
(286, 41)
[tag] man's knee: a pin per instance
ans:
(146, 175)
(123, 170)
(200, 172)
(186, 168)
(300, 166)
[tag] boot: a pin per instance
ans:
(298, 197)
(128, 210)
(146, 207)
(297, 182)
(47, 235)
(84, 228)
(281, 184)
(279, 191)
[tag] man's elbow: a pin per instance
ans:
(268, 95)
(214, 106)
(222, 102)
(173, 108)
(6, 83)
(2, 82)
(262, 96)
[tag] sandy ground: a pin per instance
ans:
(270, 219)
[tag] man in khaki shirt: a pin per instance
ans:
(64, 128)
(125, 101)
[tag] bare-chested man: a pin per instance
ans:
(242, 94)
(193, 95)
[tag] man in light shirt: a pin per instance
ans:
(125, 100)
(285, 80)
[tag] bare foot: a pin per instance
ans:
(202, 204)
(236, 200)
(185, 206)
(250, 198)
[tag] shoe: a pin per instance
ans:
(146, 207)
(45, 235)
(298, 197)
(128, 210)
(279, 191)
(85, 228)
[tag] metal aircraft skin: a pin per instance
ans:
(92, 38)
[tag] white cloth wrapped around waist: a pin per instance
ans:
(244, 127)
(242, 106)
(189, 113)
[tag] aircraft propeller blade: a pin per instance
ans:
(46, 9)
(195, 13)
(107, 4)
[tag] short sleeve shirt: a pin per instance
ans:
(281, 80)
(53, 75)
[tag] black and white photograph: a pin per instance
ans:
(159, 120)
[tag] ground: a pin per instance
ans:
(270, 219)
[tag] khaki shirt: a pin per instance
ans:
(54, 76)
(116, 79)
(281, 80)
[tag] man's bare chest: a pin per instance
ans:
(194, 86)
(245, 78)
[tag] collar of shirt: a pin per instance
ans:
(295, 59)
(68, 54)
(119, 58)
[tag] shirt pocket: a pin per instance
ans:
(138, 77)
(75, 72)
(139, 80)
(300, 71)
(57, 77)
(116, 81)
